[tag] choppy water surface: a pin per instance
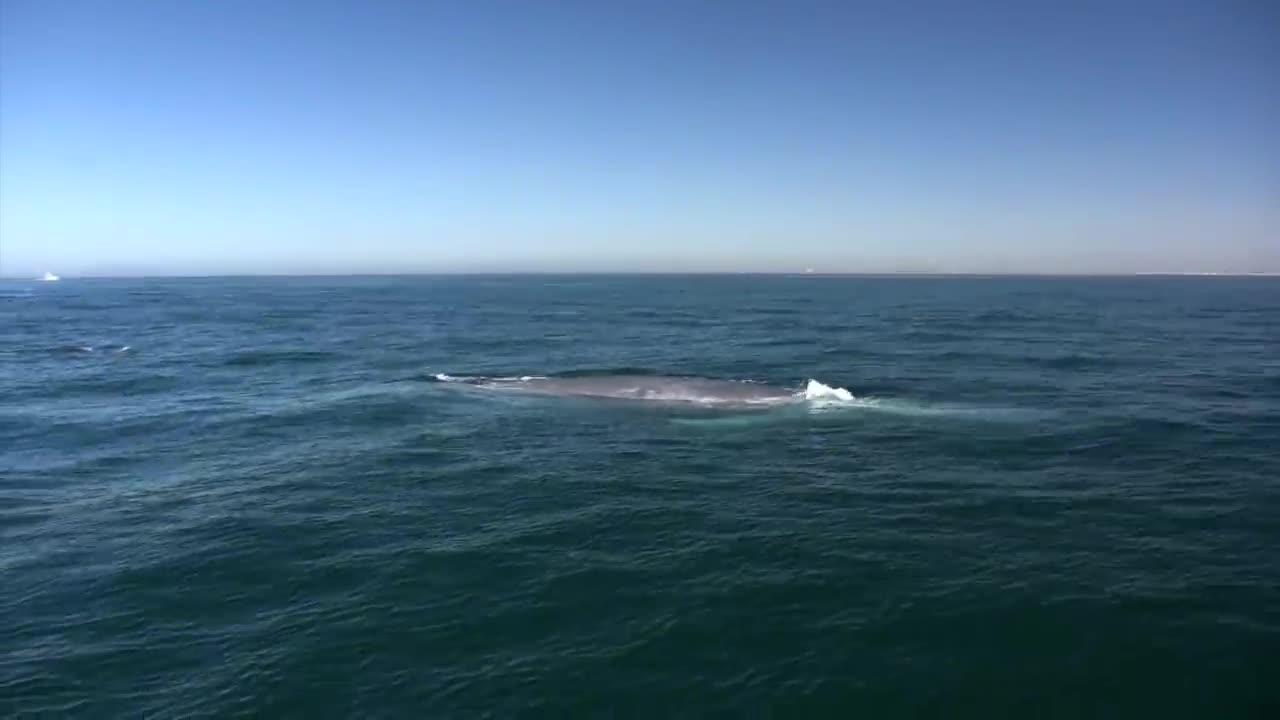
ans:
(1000, 497)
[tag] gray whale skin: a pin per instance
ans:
(653, 388)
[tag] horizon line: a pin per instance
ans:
(644, 273)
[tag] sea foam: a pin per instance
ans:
(817, 391)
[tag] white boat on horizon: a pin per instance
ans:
(49, 277)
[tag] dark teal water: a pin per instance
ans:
(1054, 498)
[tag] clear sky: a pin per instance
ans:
(342, 137)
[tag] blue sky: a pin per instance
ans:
(336, 137)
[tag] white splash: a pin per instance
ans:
(817, 391)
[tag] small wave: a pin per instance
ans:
(85, 349)
(445, 377)
(825, 397)
(474, 379)
(254, 358)
(1079, 361)
(1005, 315)
(927, 411)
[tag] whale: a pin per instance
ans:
(668, 389)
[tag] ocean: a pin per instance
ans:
(1021, 497)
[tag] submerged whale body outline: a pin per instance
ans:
(702, 391)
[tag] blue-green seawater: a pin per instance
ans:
(1054, 498)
